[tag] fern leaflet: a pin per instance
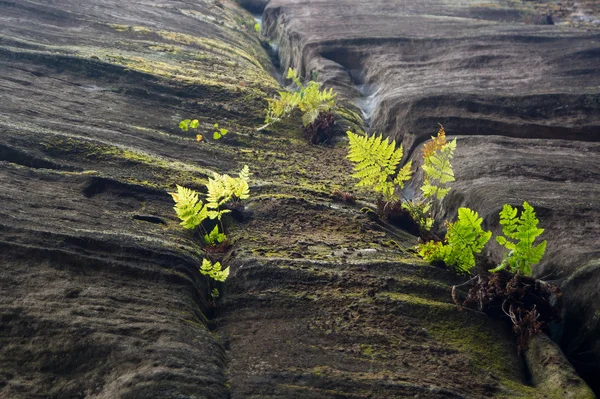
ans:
(214, 270)
(190, 210)
(464, 239)
(519, 235)
(376, 161)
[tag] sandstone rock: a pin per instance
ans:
(523, 99)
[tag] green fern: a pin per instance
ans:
(214, 270)
(221, 189)
(190, 210)
(438, 171)
(519, 236)
(464, 239)
(214, 237)
(224, 188)
(376, 162)
(309, 98)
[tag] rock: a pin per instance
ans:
(254, 6)
(100, 292)
(523, 99)
(552, 373)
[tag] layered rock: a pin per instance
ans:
(100, 292)
(523, 99)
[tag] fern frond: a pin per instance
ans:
(438, 171)
(520, 234)
(309, 98)
(224, 188)
(214, 271)
(435, 144)
(189, 209)
(464, 239)
(376, 161)
(214, 237)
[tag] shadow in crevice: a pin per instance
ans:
(13, 155)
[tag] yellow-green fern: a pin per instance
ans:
(189, 208)
(437, 155)
(223, 188)
(309, 98)
(376, 162)
(214, 270)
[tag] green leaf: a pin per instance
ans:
(214, 237)
(217, 135)
(376, 161)
(257, 27)
(520, 233)
(189, 209)
(464, 239)
(183, 125)
(194, 124)
(214, 271)
(438, 171)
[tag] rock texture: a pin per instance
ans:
(523, 98)
(100, 292)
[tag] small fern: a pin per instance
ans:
(464, 239)
(189, 208)
(437, 155)
(376, 162)
(214, 270)
(520, 233)
(224, 188)
(215, 237)
(221, 189)
(309, 98)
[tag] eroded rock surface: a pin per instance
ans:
(523, 98)
(100, 293)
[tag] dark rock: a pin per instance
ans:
(523, 99)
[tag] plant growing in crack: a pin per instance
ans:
(464, 239)
(195, 214)
(438, 173)
(188, 124)
(315, 104)
(519, 235)
(509, 291)
(376, 166)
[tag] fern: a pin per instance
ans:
(190, 210)
(214, 237)
(309, 98)
(464, 239)
(224, 188)
(214, 270)
(437, 155)
(376, 161)
(221, 189)
(519, 236)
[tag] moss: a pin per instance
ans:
(166, 172)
